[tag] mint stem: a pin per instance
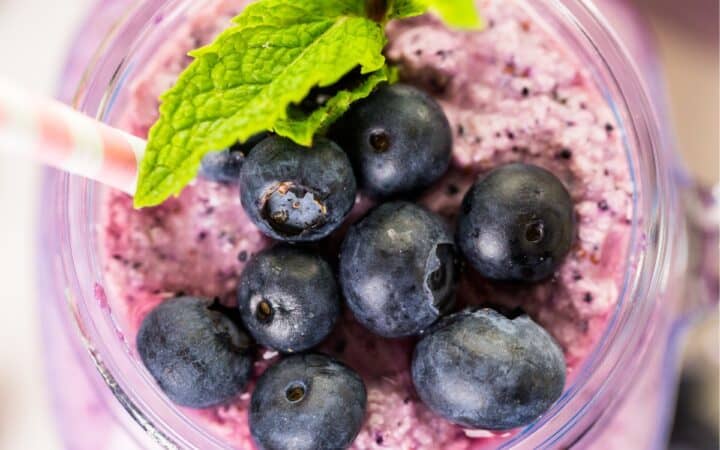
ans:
(377, 10)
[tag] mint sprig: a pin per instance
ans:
(255, 74)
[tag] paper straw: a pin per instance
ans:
(52, 133)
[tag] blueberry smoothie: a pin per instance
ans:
(511, 93)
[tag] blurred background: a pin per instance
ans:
(34, 38)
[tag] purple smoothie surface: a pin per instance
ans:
(512, 93)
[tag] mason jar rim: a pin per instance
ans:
(603, 376)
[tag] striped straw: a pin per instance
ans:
(54, 134)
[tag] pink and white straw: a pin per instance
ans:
(54, 134)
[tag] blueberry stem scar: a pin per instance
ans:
(264, 311)
(295, 392)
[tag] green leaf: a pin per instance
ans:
(244, 82)
(456, 13)
(301, 126)
(402, 9)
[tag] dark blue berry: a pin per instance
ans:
(297, 194)
(480, 369)
(288, 299)
(517, 223)
(197, 355)
(398, 269)
(307, 402)
(225, 166)
(398, 139)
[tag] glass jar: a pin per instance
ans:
(622, 396)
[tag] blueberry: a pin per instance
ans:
(297, 194)
(398, 139)
(224, 166)
(307, 402)
(516, 223)
(197, 355)
(288, 299)
(398, 269)
(480, 369)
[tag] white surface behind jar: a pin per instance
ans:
(34, 36)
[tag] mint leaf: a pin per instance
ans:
(301, 126)
(402, 9)
(244, 82)
(456, 13)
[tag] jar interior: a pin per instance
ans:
(79, 202)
